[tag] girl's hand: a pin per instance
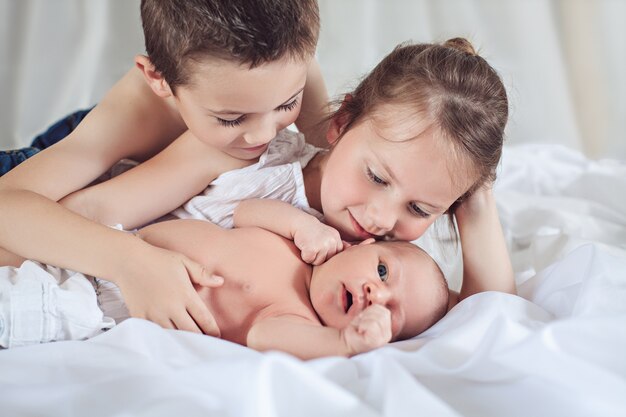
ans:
(481, 233)
(368, 330)
(479, 200)
(158, 286)
(317, 242)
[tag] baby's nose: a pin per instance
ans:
(376, 294)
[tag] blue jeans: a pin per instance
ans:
(11, 159)
(56, 132)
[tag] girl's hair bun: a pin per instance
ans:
(460, 44)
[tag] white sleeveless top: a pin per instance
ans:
(277, 175)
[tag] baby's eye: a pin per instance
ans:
(382, 272)
(375, 178)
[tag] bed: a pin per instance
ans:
(557, 349)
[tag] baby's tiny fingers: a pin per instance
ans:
(308, 255)
(319, 259)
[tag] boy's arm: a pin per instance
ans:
(130, 122)
(314, 107)
(486, 262)
(156, 284)
(316, 241)
(307, 339)
(10, 259)
(155, 187)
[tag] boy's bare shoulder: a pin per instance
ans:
(138, 116)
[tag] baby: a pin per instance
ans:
(360, 299)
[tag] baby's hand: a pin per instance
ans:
(369, 330)
(317, 242)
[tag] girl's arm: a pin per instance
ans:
(130, 122)
(486, 262)
(316, 241)
(306, 339)
(155, 187)
(314, 107)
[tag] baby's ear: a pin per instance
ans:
(154, 78)
(338, 122)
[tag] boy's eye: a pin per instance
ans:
(231, 123)
(383, 273)
(375, 178)
(289, 106)
(417, 211)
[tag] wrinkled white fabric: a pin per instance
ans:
(557, 352)
(40, 304)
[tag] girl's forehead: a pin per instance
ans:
(425, 167)
(398, 123)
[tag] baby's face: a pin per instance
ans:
(396, 275)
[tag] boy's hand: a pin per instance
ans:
(369, 330)
(159, 288)
(317, 242)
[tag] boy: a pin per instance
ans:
(358, 300)
(223, 76)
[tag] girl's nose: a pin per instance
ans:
(383, 218)
(376, 293)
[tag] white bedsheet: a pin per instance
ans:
(558, 349)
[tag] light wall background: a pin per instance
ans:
(563, 61)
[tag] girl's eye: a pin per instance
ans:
(375, 178)
(231, 123)
(289, 106)
(417, 211)
(383, 273)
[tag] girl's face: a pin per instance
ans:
(388, 180)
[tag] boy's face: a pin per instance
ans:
(393, 274)
(378, 182)
(239, 110)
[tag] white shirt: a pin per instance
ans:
(277, 175)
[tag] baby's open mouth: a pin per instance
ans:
(348, 300)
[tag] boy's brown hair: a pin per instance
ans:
(179, 33)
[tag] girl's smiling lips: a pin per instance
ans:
(359, 231)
